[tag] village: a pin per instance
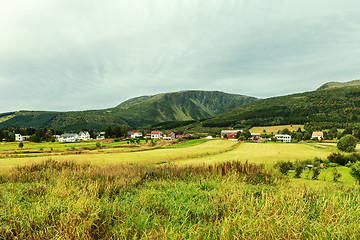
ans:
(232, 135)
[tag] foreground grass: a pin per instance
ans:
(64, 200)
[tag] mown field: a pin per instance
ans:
(192, 190)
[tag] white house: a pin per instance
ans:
(156, 134)
(135, 134)
(69, 137)
(209, 137)
(101, 136)
(18, 137)
(84, 136)
(283, 138)
(317, 135)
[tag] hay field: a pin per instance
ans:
(137, 157)
(275, 129)
(267, 153)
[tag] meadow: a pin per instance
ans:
(198, 189)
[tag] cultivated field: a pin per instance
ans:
(199, 189)
(275, 129)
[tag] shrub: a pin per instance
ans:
(316, 172)
(347, 143)
(336, 175)
(98, 144)
(355, 171)
(342, 159)
(284, 166)
(298, 169)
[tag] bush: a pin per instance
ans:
(98, 145)
(298, 170)
(355, 171)
(284, 166)
(336, 175)
(342, 159)
(347, 143)
(316, 173)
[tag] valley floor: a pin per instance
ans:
(199, 189)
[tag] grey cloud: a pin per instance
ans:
(74, 55)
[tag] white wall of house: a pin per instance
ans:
(18, 137)
(283, 138)
(136, 134)
(84, 136)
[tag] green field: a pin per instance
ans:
(198, 189)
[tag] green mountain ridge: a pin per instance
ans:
(332, 85)
(333, 104)
(136, 112)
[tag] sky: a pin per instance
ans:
(64, 55)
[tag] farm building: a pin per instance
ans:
(255, 136)
(317, 135)
(230, 134)
(101, 136)
(19, 137)
(283, 138)
(69, 137)
(134, 134)
(174, 135)
(84, 136)
(156, 134)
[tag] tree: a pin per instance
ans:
(21, 145)
(355, 171)
(347, 143)
(286, 131)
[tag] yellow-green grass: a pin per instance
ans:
(267, 153)
(275, 129)
(29, 146)
(141, 157)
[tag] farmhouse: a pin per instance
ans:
(283, 138)
(84, 136)
(255, 136)
(69, 137)
(230, 134)
(19, 137)
(134, 134)
(317, 135)
(174, 135)
(156, 134)
(101, 136)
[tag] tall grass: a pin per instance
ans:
(65, 200)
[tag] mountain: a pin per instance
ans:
(332, 85)
(136, 112)
(333, 104)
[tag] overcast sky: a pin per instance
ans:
(77, 55)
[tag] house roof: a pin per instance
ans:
(318, 134)
(155, 132)
(136, 133)
(68, 135)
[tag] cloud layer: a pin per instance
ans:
(76, 55)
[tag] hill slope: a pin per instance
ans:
(332, 85)
(333, 106)
(137, 112)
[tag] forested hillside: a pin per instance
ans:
(137, 112)
(334, 106)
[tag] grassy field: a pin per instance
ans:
(182, 151)
(199, 189)
(267, 153)
(65, 200)
(275, 129)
